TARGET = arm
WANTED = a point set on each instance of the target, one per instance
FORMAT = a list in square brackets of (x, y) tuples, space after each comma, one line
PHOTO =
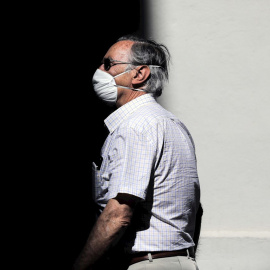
[(108, 229)]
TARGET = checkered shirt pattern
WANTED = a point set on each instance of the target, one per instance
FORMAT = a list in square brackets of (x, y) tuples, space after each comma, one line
[(150, 154)]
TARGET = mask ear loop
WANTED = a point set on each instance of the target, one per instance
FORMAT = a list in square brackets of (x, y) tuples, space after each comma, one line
[(122, 73), (134, 68), (134, 89)]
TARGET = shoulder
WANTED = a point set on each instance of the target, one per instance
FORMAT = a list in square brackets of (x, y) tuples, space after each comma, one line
[(147, 121)]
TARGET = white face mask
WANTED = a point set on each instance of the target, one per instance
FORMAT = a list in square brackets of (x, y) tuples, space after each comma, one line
[(106, 87)]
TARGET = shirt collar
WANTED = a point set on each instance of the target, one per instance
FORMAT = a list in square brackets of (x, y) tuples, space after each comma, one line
[(118, 116)]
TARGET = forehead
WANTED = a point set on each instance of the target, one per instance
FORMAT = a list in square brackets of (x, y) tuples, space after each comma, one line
[(120, 50)]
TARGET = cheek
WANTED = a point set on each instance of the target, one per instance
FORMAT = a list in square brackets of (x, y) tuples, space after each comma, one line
[(124, 80)]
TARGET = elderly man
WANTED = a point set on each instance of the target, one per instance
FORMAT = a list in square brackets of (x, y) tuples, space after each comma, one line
[(147, 187)]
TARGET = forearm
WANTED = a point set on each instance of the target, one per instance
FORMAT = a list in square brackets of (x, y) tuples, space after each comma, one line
[(107, 230)]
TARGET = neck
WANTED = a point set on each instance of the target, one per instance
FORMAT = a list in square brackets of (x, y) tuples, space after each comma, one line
[(128, 96)]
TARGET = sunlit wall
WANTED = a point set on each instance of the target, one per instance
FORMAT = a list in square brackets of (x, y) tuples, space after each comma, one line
[(220, 88)]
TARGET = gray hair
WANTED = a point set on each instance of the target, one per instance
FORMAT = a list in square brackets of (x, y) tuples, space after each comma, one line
[(153, 54)]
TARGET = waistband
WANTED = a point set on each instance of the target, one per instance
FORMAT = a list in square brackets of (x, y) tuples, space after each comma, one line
[(142, 256)]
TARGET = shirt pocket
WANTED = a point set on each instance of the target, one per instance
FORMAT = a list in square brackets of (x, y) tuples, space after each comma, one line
[(99, 186)]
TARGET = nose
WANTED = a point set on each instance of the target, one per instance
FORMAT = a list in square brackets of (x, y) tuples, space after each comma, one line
[(102, 67)]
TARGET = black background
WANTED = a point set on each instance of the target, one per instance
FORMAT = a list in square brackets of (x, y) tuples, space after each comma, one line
[(69, 128)]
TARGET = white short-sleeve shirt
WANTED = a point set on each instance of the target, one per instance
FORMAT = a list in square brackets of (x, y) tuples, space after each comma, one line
[(150, 154)]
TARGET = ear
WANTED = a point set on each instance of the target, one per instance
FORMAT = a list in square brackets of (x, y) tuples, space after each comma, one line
[(141, 75)]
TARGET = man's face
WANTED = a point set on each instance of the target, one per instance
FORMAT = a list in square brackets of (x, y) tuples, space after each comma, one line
[(119, 52)]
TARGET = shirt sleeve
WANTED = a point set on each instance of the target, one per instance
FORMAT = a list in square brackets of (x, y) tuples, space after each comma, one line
[(132, 158)]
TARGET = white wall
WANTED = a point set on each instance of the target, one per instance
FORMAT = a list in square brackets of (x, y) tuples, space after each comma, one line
[(220, 88)]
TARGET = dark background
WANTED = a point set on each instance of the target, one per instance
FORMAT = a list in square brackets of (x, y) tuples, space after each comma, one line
[(70, 129), (53, 123)]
